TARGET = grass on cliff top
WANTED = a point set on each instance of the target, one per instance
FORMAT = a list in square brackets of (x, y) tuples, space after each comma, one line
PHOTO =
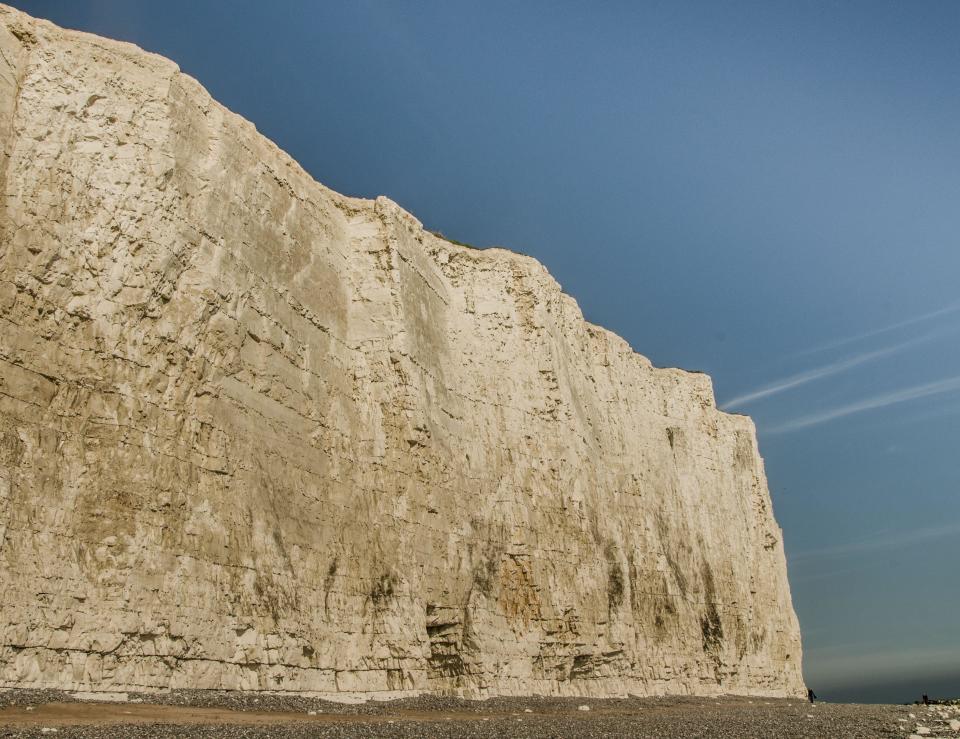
[(440, 235)]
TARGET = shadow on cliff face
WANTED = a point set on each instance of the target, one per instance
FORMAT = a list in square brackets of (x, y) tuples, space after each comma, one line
[(710, 624), (650, 599), (615, 582)]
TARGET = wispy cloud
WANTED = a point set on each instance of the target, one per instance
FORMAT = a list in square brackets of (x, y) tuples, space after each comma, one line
[(817, 373), (837, 343), (940, 387), (882, 541)]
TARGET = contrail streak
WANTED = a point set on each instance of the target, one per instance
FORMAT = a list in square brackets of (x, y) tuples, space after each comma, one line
[(817, 373), (882, 541), (946, 310), (940, 387)]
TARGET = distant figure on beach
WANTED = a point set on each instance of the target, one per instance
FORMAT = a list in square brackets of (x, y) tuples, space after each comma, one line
[(811, 696), (926, 700)]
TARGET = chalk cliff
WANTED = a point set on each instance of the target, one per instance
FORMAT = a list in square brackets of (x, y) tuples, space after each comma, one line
[(258, 435)]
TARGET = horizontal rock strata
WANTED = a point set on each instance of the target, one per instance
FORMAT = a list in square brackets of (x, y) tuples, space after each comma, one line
[(257, 435)]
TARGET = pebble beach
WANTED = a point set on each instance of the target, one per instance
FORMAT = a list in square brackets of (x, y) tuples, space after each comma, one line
[(25, 713)]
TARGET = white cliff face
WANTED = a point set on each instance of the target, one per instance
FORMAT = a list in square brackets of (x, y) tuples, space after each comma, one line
[(257, 435)]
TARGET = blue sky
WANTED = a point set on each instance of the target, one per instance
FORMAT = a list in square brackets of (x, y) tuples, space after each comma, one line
[(768, 191)]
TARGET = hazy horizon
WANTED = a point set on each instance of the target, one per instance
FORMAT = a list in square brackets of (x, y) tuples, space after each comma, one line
[(766, 191), (896, 690)]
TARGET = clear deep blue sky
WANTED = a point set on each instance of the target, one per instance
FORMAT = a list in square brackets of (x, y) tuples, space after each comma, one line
[(767, 191)]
